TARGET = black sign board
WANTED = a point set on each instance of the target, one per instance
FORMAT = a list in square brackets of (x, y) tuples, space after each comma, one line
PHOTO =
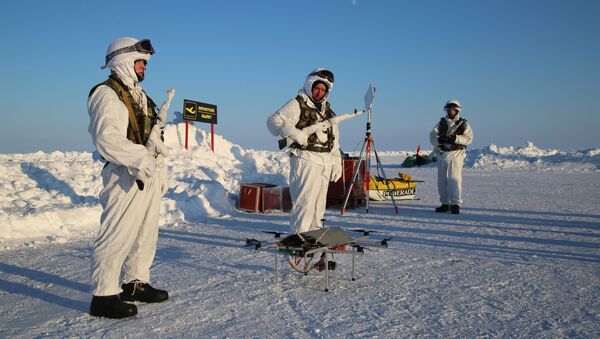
[(199, 111)]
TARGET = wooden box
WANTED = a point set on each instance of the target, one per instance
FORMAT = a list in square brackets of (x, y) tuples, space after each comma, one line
[(337, 190), (276, 198), (251, 197)]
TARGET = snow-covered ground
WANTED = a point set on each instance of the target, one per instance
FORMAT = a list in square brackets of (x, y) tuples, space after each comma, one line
[(523, 260)]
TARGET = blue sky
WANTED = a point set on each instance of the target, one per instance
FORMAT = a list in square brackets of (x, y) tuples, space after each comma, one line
[(523, 70)]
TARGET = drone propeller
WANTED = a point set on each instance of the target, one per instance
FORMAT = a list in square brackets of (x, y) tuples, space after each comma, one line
[(384, 242), (276, 234), (364, 232), (360, 249), (253, 242)]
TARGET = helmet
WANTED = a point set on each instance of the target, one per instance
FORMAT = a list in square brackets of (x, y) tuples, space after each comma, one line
[(127, 48), (452, 103), (318, 75)]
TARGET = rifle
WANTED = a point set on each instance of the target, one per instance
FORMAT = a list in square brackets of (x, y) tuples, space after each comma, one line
[(454, 128), (369, 97), (285, 142), (448, 133), (155, 138), (155, 142)]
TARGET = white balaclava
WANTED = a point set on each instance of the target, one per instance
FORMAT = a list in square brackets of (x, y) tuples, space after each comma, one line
[(312, 78), (123, 66)]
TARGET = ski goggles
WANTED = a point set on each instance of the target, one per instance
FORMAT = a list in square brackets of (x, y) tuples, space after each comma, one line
[(143, 46), (450, 106), (325, 74)]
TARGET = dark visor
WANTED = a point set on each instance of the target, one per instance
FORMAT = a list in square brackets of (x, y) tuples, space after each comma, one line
[(142, 46), (325, 74)]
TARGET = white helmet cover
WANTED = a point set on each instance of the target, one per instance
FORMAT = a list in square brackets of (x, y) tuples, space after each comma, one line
[(123, 57), (452, 102)]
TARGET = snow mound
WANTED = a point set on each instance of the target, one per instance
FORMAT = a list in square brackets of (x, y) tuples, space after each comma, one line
[(206, 183), (530, 156), (52, 197)]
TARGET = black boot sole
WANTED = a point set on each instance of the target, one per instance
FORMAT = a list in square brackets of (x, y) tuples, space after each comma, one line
[(113, 316)]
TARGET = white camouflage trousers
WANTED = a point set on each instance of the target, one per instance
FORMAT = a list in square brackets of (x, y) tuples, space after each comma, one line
[(450, 166), (128, 231), (308, 187)]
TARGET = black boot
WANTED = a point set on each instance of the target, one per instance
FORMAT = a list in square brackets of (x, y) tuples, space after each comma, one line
[(140, 291), (455, 209), (443, 209), (111, 307)]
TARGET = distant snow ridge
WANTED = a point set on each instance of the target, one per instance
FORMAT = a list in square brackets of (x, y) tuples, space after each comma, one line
[(532, 157)]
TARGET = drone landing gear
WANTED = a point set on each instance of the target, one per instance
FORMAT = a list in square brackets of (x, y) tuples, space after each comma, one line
[(300, 261)]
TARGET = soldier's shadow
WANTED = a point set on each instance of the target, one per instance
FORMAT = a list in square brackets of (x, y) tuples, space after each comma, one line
[(49, 182), (46, 279)]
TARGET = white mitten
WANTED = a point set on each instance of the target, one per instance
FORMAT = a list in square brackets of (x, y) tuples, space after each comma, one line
[(298, 136), (336, 170), (145, 172)]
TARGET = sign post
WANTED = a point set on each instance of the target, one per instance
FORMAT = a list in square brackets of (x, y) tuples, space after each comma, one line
[(212, 137), (187, 126), (202, 112)]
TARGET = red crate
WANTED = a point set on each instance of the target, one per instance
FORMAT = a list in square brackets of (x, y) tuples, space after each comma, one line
[(337, 191), (276, 198), (251, 197)]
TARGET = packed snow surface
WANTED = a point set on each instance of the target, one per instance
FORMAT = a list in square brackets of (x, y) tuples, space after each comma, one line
[(522, 260)]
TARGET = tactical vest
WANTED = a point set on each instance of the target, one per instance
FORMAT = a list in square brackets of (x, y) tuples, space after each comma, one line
[(443, 129), (310, 116), (140, 125)]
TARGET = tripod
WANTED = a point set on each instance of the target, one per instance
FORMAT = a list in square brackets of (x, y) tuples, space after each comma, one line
[(366, 151)]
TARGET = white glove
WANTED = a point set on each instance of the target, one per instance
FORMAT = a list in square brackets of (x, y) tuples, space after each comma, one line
[(336, 170), (320, 129), (298, 136), (323, 125)]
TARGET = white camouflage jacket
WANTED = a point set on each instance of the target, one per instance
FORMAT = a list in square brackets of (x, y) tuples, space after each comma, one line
[(286, 118)]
